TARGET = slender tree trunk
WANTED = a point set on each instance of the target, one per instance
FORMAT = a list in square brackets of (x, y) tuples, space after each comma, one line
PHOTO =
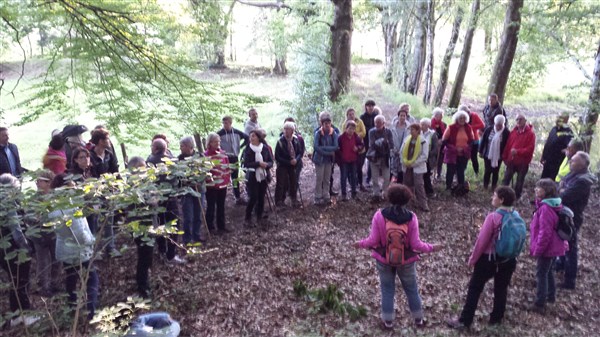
[(389, 25), (507, 49), (445, 66), (430, 39), (459, 80), (420, 49), (341, 43), (590, 119), (402, 54), (280, 67)]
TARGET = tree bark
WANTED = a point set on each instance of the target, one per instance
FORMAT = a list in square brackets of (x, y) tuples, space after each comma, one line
[(445, 66), (420, 49), (280, 67), (507, 49), (430, 39), (341, 43), (459, 80), (389, 25), (590, 119)]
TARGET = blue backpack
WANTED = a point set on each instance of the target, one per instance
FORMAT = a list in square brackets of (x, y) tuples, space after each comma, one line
[(513, 232)]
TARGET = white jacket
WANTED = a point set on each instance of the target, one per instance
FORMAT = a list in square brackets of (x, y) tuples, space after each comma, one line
[(420, 165)]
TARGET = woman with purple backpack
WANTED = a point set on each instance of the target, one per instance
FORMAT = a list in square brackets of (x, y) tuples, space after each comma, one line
[(397, 215)]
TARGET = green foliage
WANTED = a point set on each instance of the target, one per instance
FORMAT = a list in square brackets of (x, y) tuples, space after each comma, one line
[(328, 299), (114, 320), (119, 59), (312, 82)]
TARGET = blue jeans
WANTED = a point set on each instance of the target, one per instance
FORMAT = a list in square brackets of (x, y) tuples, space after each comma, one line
[(348, 173), (192, 217), (74, 273), (546, 290), (387, 281)]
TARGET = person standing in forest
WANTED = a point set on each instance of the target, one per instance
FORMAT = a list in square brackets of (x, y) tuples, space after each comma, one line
[(361, 132), (457, 142), (288, 153), (554, 149), (368, 118), (575, 191), (438, 125), (414, 154), (492, 109), (380, 149), (492, 145), (575, 145), (433, 142), (400, 131), (325, 145), (10, 162), (477, 126), (518, 153), (232, 140), (252, 122)]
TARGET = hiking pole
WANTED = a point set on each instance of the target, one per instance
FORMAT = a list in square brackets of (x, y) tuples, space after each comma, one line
[(203, 214), (269, 197)]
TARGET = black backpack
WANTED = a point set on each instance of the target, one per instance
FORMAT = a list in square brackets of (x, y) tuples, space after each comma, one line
[(566, 227)]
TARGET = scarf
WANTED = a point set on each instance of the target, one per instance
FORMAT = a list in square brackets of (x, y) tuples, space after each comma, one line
[(411, 152), (494, 152), (260, 173)]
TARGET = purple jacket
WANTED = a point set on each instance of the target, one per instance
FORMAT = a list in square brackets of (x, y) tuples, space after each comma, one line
[(377, 238), (544, 240)]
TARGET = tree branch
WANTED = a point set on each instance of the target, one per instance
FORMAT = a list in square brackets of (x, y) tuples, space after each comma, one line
[(8, 23), (277, 5)]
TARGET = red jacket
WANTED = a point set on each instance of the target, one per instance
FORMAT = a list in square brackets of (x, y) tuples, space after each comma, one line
[(523, 142), (220, 172), (347, 145), (476, 125)]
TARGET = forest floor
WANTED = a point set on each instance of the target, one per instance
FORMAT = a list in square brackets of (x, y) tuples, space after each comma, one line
[(243, 282)]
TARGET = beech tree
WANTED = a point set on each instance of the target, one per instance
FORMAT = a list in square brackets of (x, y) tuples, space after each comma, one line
[(445, 66), (507, 49), (341, 53), (420, 50), (459, 80), (590, 118)]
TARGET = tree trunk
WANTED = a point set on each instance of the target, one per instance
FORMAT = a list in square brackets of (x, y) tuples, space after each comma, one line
[(430, 39), (590, 119), (420, 49), (459, 80), (404, 47), (280, 67), (507, 49), (389, 25), (487, 40), (443, 82), (341, 43)]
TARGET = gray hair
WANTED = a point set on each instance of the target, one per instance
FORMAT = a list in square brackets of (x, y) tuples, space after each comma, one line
[(380, 118), (437, 110), (289, 125), (585, 157), (324, 115), (426, 121), (498, 119), (459, 114), (188, 140), (464, 108), (9, 180), (212, 136), (136, 162), (577, 144)]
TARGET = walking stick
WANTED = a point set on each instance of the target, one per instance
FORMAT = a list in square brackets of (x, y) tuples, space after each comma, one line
[(203, 214), (269, 197)]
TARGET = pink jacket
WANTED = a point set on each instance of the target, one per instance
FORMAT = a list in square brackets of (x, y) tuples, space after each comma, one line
[(377, 238), (544, 240), (486, 239)]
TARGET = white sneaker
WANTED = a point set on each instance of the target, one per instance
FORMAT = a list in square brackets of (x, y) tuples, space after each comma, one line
[(26, 320), (176, 260)]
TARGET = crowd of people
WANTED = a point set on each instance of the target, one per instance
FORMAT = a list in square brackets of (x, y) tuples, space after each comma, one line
[(403, 159)]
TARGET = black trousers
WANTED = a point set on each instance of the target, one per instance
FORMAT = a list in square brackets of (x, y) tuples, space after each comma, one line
[(521, 171), (474, 158), (256, 192), (144, 263), (18, 274), (550, 170), (235, 172), (286, 182), (458, 169), (167, 245), (74, 273), (492, 172), (427, 180), (215, 199), (483, 272)]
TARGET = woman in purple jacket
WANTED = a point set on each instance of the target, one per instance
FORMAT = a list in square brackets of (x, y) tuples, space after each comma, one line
[(486, 266), (545, 244), (398, 195)]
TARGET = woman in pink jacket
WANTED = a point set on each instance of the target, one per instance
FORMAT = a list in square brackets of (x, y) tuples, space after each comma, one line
[(398, 195), (545, 244), (483, 259)]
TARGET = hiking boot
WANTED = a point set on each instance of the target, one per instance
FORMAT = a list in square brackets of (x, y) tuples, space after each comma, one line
[(567, 286), (333, 193), (537, 309), (420, 322), (280, 204), (387, 325), (296, 204), (23, 319), (344, 197), (248, 223), (455, 323), (362, 188), (176, 260), (355, 197), (241, 201), (225, 230)]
